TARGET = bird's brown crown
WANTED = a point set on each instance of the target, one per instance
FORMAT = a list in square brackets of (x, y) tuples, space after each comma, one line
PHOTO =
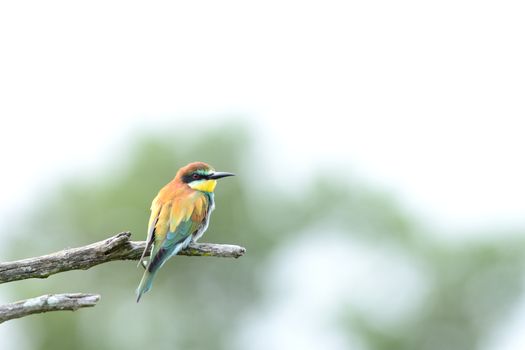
[(194, 167)]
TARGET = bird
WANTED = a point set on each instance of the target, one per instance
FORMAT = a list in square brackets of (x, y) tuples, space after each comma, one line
[(180, 214)]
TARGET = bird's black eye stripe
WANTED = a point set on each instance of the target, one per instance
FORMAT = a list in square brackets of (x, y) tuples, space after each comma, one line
[(187, 178), (194, 177)]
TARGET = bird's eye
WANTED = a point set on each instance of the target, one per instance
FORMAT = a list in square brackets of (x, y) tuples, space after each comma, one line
[(196, 176)]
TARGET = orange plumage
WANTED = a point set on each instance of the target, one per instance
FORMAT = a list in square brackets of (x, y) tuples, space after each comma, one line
[(179, 215)]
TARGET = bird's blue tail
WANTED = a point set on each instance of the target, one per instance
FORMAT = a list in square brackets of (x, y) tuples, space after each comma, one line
[(145, 283), (156, 262)]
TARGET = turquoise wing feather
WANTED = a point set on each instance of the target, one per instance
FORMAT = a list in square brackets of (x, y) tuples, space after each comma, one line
[(171, 229), (173, 243)]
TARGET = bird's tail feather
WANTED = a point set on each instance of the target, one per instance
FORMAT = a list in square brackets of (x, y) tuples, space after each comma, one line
[(145, 283), (156, 261)]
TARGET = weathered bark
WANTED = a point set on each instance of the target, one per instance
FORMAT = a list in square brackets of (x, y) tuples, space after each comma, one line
[(118, 247), (45, 303)]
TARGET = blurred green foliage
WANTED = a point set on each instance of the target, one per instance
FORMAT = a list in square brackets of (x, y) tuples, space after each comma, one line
[(197, 303)]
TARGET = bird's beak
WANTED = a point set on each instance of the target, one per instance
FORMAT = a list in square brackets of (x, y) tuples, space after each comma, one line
[(219, 174)]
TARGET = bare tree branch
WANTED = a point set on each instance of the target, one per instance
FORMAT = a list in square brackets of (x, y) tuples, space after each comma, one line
[(45, 303), (118, 247)]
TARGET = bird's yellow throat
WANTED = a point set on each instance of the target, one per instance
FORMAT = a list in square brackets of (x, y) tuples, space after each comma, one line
[(204, 186)]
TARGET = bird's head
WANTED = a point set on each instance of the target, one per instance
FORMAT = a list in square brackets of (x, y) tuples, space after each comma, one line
[(200, 176)]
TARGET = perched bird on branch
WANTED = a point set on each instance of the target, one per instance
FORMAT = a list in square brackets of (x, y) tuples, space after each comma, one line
[(179, 215)]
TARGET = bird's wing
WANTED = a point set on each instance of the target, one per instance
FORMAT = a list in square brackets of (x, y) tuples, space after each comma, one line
[(175, 226), (153, 219)]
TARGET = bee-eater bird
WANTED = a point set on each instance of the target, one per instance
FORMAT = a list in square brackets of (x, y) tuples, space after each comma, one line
[(180, 213)]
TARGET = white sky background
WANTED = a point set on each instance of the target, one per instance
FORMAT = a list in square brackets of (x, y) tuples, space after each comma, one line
[(423, 98)]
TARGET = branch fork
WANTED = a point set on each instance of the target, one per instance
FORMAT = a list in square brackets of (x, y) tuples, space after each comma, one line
[(118, 247)]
